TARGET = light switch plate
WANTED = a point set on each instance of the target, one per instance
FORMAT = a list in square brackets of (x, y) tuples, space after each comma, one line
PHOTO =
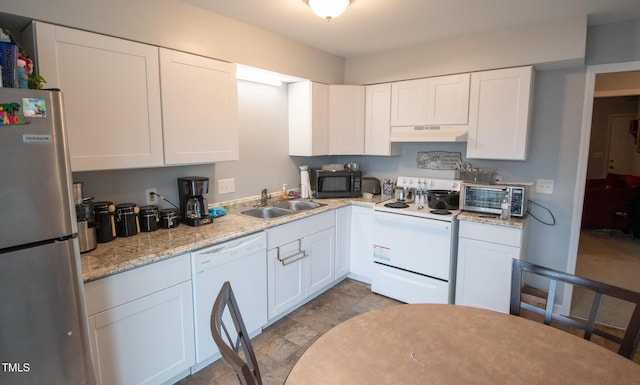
[(226, 186), (544, 186)]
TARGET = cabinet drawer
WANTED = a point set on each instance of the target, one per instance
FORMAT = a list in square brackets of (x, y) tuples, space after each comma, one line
[(503, 235), (290, 232), (121, 288)]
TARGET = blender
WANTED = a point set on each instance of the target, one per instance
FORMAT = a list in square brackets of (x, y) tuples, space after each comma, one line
[(85, 218), (194, 210)]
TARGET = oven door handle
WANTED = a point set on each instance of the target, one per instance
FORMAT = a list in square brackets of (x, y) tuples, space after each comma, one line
[(291, 258)]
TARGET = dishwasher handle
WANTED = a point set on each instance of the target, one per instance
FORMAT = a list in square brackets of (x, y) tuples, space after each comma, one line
[(291, 258)]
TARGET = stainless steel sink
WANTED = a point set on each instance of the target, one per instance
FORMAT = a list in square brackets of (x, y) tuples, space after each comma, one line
[(266, 212), (298, 205), (280, 209)]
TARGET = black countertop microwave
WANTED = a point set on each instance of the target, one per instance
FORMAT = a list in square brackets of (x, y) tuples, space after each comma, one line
[(336, 184)]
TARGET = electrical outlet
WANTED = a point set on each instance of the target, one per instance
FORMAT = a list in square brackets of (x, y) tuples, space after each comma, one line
[(226, 186), (544, 186), (152, 199)]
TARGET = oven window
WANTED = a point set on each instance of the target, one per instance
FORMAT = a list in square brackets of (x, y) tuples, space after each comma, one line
[(333, 184), (487, 198)]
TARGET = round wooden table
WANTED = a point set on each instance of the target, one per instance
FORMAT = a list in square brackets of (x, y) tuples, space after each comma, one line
[(449, 344)]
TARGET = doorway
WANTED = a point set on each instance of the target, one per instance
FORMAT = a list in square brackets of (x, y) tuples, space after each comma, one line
[(583, 161)]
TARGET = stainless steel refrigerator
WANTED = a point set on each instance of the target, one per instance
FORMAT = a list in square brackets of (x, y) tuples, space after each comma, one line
[(43, 323)]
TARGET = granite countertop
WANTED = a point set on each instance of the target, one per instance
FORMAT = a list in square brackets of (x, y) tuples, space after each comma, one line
[(123, 254), (492, 219)]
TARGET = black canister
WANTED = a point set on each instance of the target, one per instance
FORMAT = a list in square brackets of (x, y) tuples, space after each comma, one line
[(169, 218), (105, 222), (149, 218), (127, 219)]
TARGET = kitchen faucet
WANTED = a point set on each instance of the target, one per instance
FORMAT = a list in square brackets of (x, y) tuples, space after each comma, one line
[(264, 197)]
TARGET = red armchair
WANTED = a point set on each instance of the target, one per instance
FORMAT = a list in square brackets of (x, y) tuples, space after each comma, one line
[(608, 203)]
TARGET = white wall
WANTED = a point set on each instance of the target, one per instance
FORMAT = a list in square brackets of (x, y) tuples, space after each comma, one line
[(549, 45), (178, 25)]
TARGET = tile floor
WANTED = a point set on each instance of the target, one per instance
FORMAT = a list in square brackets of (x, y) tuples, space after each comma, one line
[(281, 344)]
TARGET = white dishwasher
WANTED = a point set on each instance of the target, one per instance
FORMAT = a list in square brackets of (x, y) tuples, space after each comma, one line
[(243, 262)]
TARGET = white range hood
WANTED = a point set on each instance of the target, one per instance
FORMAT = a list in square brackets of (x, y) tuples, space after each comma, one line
[(429, 133)]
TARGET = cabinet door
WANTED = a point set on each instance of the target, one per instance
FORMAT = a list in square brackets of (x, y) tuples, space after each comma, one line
[(448, 100), (377, 121), (308, 119), (320, 248), (343, 241), (499, 118), (146, 341), (409, 103), (484, 274), (361, 256), (346, 120), (199, 109), (111, 92), (286, 278)]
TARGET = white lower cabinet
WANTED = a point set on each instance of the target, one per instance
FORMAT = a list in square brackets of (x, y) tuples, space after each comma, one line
[(320, 248), (361, 248), (300, 262), (141, 324), (485, 254)]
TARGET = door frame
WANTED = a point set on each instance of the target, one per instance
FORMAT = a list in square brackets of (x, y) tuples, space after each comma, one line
[(581, 172)]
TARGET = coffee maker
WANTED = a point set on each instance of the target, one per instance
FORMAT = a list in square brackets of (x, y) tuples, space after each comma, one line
[(193, 206)]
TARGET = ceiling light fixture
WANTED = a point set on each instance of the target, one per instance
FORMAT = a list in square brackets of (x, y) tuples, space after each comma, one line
[(328, 9)]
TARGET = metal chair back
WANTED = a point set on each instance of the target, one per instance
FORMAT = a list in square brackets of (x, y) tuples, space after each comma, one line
[(236, 340), (628, 343)]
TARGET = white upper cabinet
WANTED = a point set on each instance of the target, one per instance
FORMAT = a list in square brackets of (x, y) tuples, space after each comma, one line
[(111, 91), (409, 103), (346, 119), (442, 100), (448, 100), (199, 109), (308, 119), (499, 117), (377, 121)]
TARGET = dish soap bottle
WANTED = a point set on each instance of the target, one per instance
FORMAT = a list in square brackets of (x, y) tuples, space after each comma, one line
[(284, 193), (505, 208)]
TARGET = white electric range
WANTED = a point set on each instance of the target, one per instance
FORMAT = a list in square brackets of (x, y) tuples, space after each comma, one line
[(414, 247)]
